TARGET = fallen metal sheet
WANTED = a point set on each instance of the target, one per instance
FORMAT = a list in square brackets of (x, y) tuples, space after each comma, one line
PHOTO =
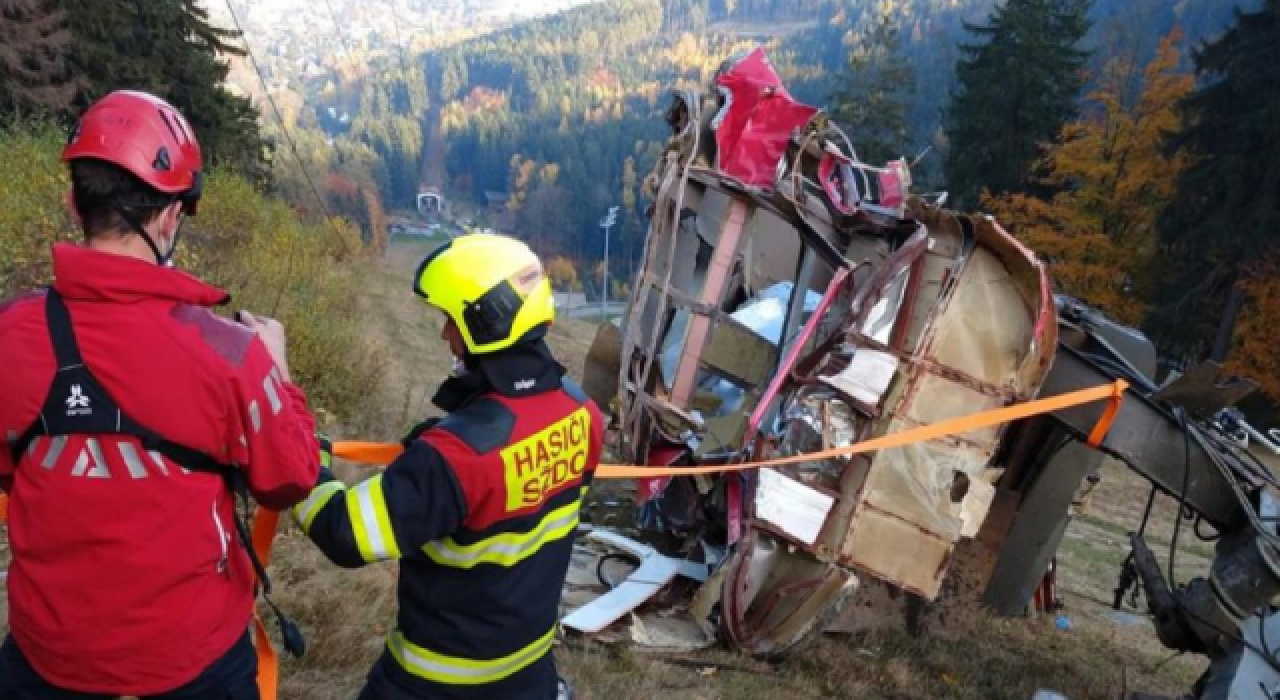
[(655, 572)]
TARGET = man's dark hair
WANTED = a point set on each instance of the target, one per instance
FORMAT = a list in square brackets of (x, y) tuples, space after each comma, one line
[(100, 187)]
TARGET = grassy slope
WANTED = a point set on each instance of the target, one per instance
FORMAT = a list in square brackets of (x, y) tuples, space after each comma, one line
[(345, 614)]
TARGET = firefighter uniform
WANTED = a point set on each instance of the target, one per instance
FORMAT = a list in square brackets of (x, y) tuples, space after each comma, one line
[(481, 508)]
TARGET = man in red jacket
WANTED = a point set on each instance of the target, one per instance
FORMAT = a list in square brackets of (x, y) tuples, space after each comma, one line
[(129, 407)]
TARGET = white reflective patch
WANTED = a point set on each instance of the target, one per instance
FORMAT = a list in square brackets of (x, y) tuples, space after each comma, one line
[(244, 441), (369, 519), (131, 460), (56, 445), (255, 416), (92, 461), (11, 436), (272, 395), (159, 460), (35, 445), (275, 372)]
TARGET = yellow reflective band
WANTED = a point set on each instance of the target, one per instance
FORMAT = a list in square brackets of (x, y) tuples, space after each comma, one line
[(305, 512), (439, 668), (370, 521), (507, 549)]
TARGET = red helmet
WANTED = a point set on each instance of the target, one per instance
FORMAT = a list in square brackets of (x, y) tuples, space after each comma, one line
[(144, 135)]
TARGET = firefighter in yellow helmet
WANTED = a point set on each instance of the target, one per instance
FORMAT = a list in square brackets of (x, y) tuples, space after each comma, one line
[(482, 507)]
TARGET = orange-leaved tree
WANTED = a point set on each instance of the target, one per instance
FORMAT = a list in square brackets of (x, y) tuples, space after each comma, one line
[(564, 276), (1257, 330), (1112, 176)]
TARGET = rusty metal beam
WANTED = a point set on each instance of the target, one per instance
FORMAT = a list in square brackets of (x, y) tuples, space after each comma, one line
[(713, 288), (1146, 438), (1038, 528)]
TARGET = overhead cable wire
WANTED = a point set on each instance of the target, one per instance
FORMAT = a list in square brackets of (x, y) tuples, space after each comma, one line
[(284, 128), (293, 148)]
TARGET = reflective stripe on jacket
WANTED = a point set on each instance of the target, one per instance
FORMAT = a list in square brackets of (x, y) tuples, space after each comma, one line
[(481, 511)]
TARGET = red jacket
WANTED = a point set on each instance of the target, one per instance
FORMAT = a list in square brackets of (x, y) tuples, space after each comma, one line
[(127, 575)]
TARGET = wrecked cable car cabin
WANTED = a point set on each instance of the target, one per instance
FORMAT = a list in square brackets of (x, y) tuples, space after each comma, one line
[(793, 299)]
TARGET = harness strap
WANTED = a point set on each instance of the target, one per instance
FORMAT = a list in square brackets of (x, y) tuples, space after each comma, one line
[(77, 403)]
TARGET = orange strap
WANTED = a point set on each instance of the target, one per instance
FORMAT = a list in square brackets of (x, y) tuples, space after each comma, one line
[(385, 453), (1108, 417), (264, 531), (266, 521), (268, 661)]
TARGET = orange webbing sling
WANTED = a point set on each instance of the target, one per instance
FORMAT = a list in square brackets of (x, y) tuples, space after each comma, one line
[(382, 454)]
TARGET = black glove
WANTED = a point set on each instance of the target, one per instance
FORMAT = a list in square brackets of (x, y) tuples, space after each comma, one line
[(326, 459), (417, 431)]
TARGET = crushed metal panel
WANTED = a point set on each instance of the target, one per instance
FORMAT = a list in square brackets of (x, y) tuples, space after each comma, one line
[(989, 335), (777, 597), (898, 551), (793, 508), (925, 497)]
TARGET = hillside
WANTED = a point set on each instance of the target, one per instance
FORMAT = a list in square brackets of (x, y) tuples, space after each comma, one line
[(583, 91), (346, 613)]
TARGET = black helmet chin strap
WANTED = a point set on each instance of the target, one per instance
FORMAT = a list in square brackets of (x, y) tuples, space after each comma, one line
[(161, 260)]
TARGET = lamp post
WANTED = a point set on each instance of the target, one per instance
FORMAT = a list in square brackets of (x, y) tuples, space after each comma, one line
[(606, 223)]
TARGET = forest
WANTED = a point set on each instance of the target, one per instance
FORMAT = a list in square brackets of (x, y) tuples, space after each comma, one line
[(557, 119), (1127, 140)]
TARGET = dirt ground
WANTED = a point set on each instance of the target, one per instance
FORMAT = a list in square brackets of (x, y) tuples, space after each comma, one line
[(346, 614)]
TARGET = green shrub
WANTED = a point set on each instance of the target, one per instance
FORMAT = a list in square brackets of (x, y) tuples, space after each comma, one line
[(271, 261)]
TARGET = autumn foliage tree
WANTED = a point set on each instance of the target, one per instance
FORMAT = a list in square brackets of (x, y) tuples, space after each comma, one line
[(1113, 177), (564, 276), (1256, 333), (1226, 215)]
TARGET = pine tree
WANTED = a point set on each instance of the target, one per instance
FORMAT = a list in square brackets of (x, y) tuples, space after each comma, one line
[(169, 48), (1226, 214), (876, 94), (1015, 92), (1111, 177), (34, 76)]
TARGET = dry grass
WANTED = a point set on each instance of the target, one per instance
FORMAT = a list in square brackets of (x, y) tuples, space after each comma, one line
[(345, 614)]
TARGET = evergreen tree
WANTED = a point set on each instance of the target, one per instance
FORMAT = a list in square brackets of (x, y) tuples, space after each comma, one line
[(169, 48), (1015, 92), (1226, 213), (1111, 177), (876, 94), (34, 76)]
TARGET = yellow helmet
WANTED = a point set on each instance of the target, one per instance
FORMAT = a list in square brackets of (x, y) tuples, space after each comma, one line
[(492, 286)]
